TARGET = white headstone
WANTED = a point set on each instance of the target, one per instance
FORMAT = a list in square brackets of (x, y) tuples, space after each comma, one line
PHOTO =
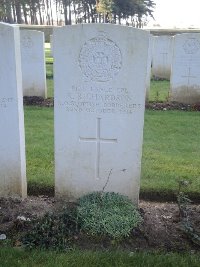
[(162, 56), (148, 76), (33, 63), (185, 78), (100, 78), (12, 140), (51, 44)]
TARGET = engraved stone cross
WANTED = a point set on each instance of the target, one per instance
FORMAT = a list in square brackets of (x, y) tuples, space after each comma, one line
[(98, 140), (164, 55), (188, 76)]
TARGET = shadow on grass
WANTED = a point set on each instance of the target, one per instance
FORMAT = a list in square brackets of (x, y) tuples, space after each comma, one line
[(35, 189), (167, 196)]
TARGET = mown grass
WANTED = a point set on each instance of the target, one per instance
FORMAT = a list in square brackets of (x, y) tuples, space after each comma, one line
[(50, 86), (39, 149), (15, 257), (170, 151), (159, 91), (49, 72)]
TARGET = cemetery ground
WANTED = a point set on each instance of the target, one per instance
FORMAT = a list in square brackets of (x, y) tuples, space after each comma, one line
[(170, 155)]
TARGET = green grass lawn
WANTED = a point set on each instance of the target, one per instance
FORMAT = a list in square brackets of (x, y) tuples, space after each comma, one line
[(159, 91), (170, 151), (14, 257), (39, 148), (49, 72), (50, 85)]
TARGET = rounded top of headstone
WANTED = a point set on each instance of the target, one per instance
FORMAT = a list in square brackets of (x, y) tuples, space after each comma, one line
[(100, 59)]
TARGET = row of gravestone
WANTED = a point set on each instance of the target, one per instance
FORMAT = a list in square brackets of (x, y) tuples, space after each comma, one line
[(178, 60), (99, 82), (175, 58), (100, 79), (32, 57)]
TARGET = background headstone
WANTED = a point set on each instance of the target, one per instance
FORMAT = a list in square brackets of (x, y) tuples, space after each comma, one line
[(149, 63), (185, 78), (100, 86), (162, 56), (51, 44), (33, 63), (12, 140)]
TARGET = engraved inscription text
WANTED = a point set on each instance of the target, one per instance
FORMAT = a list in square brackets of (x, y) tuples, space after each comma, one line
[(98, 99)]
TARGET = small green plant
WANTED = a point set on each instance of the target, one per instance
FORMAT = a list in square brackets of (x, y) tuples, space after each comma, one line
[(183, 204), (53, 231), (157, 97), (107, 213), (182, 199)]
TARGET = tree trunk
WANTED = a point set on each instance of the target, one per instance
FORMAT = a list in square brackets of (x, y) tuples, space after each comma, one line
[(65, 13), (24, 13), (70, 13), (75, 13), (18, 11), (51, 12), (14, 12), (40, 13), (8, 12)]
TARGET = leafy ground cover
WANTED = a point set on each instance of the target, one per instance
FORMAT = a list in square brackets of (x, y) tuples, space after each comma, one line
[(27, 224)]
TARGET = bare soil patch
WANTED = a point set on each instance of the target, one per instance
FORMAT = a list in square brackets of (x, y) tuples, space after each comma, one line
[(161, 228)]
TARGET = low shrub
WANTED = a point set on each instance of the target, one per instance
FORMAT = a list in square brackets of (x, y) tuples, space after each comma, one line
[(107, 213), (53, 231)]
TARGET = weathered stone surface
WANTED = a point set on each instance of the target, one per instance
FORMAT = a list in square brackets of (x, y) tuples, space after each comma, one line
[(51, 45), (33, 63), (12, 141), (100, 86), (149, 63), (185, 78)]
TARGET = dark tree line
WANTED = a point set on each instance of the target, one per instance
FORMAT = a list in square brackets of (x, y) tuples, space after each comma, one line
[(59, 12)]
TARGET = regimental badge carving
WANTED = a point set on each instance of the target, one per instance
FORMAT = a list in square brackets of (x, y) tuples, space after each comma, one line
[(27, 42), (191, 46), (100, 59)]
